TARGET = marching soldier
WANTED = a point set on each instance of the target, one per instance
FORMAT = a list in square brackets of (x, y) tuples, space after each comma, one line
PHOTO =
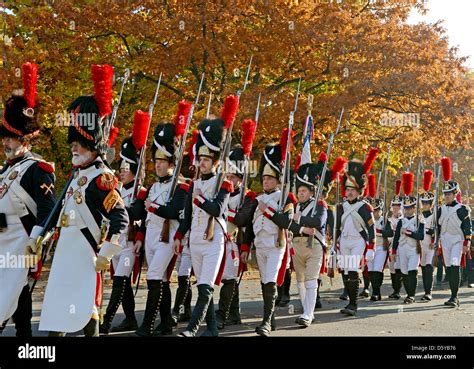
[(268, 232), (394, 263), (427, 245), (204, 219), (237, 219), (382, 233), (355, 226), (26, 199), (123, 263), (455, 232), (91, 222), (161, 223), (406, 242), (308, 258)]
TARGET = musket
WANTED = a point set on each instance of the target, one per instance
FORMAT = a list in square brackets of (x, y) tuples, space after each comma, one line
[(246, 161), (379, 180), (333, 253), (385, 213), (111, 121), (47, 232), (285, 185), (467, 191), (142, 150), (323, 175), (437, 169), (179, 157), (208, 111), (417, 214)]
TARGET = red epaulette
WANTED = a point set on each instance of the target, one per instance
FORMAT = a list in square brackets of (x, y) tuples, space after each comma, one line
[(45, 166), (185, 186), (106, 181), (292, 198), (228, 186), (142, 194), (323, 203), (251, 195)]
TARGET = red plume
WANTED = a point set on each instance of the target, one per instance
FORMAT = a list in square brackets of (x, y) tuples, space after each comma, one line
[(249, 127), (459, 196), (30, 76), (372, 185), (322, 157), (446, 165), (181, 118), (370, 159), (427, 179), (398, 187), (114, 131), (338, 166), (231, 104), (408, 179), (141, 123), (191, 146), (102, 76), (298, 162), (284, 140)]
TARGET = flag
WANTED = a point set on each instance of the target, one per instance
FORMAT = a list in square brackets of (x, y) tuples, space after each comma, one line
[(308, 135)]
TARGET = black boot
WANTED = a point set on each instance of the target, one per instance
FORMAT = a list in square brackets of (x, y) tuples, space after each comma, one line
[(92, 328), (165, 328), (23, 314), (365, 292), (234, 313), (182, 302), (352, 288), (376, 279), (128, 305), (118, 290), (225, 299), (405, 283), (211, 322), (285, 291), (397, 278), (345, 293), (153, 301), (427, 276), (318, 304), (454, 277), (411, 284), (269, 297), (200, 310)]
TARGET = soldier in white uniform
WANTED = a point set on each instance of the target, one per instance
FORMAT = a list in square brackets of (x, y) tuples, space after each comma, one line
[(393, 263), (427, 245), (455, 232), (159, 227), (355, 227), (382, 233), (237, 219), (269, 234), (91, 222), (123, 263), (26, 199), (406, 245), (204, 219)]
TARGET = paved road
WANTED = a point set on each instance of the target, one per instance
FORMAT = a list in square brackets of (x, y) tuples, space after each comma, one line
[(383, 318)]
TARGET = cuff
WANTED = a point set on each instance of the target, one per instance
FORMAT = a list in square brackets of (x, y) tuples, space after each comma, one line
[(140, 236), (244, 248), (231, 215), (109, 249), (370, 246), (152, 209), (269, 212), (394, 251), (178, 236), (199, 200), (465, 243), (35, 232)]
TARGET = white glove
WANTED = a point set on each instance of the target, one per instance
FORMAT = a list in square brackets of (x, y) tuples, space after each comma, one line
[(370, 254)]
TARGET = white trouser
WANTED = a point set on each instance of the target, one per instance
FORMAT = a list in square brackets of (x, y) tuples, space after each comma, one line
[(231, 269), (269, 259), (427, 253), (452, 249), (124, 261), (184, 264), (158, 254), (378, 263), (352, 250), (206, 257), (409, 258), (308, 292)]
